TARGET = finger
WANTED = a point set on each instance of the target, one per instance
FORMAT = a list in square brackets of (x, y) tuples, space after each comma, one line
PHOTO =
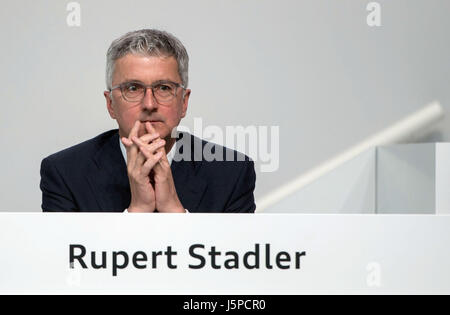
[(149, 137), (149, 149), (132, 150), (131, 161), (134, 131), (164, 158), (163, 163), (137, 172), (140, 160), (151, 162), (138, 141), (149, 127), (126, 142)]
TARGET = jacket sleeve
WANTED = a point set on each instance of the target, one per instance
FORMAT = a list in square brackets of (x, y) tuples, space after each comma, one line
[(242, 198), (56, 197)]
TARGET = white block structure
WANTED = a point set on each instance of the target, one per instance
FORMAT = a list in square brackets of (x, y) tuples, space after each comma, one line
[(394, 179), (400, 132)]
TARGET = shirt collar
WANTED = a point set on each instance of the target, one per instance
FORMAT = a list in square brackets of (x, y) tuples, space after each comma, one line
[(170, 155)]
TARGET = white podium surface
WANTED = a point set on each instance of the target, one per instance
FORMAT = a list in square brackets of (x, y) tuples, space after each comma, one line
[(367, 254)]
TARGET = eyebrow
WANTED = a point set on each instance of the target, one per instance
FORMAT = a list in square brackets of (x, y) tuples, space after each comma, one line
[(153, 83), (132, 80)]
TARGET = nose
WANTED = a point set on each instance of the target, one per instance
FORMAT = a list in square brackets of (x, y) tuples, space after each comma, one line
[(149, 101)]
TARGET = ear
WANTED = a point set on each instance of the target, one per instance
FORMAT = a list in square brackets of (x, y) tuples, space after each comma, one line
[(109, 105), (187, 93)]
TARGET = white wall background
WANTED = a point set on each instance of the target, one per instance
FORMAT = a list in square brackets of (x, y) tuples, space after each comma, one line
[(344, 80)]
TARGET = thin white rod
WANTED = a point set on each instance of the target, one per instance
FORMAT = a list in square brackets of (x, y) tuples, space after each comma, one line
[(398, 132)]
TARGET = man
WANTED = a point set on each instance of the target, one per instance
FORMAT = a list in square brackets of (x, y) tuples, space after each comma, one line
[(138, 168)]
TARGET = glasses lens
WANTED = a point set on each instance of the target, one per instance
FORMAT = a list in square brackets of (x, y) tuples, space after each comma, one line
[(132, 91), (165, 92)]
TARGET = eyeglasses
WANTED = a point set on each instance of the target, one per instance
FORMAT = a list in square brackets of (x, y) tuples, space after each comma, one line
[(163, 91)]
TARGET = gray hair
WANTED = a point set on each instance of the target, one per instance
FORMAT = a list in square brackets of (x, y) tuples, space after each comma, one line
[(148, 42)]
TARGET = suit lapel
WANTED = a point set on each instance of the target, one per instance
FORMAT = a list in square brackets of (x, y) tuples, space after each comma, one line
[(189, 185), (190, 188), (109, 178)]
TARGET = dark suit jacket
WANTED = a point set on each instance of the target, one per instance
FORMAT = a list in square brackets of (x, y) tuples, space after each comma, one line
[(92, 177)]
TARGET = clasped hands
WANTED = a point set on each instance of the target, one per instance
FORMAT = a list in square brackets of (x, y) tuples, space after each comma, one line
[(151, 182)]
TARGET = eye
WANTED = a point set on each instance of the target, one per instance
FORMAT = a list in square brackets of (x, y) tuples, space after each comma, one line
[(132, 87), (164, 88)]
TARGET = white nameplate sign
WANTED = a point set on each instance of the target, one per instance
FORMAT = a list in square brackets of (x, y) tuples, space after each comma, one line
[(223, 253)]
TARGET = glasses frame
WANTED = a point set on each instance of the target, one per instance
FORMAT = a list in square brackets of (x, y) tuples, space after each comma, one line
[(146, 87)]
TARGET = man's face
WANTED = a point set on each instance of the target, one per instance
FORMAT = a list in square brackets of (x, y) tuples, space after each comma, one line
[(146, 70)]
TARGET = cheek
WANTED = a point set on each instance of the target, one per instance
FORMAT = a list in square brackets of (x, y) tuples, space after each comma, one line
[(173, 117), (127, 118), (177, 111)]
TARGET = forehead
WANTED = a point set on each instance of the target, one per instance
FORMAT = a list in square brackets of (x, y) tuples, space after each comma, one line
[(145, 69)]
